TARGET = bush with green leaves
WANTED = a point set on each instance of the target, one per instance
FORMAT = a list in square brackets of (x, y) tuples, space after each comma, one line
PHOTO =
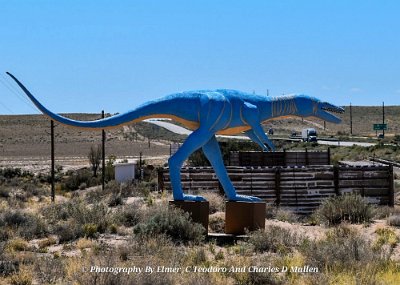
[(349, 207), (172, 222)]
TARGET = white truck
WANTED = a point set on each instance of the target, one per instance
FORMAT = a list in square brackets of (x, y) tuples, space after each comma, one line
[(309, 135)]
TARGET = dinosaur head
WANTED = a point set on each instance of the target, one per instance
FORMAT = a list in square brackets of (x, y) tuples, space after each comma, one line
[(312, 107)]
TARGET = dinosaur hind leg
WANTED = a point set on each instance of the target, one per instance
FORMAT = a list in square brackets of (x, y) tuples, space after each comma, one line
[(213, 154), (194, 141)]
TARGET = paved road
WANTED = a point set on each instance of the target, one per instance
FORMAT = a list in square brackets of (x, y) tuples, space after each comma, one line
[(341, 143), (169, 126), (182, 131)]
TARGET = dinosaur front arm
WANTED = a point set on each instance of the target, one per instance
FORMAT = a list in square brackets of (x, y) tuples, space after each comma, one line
[(251, 116)]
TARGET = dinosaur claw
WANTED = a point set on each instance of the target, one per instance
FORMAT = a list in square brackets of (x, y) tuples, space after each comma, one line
[(192, 198), (245, 198)]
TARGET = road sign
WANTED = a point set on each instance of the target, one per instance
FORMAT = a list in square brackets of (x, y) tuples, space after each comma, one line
[(380, 127)]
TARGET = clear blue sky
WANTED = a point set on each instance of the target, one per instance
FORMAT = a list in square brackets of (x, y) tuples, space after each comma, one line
[(85, 56)]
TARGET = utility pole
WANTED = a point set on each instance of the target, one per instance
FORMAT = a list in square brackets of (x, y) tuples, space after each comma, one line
[(267, 92), (351, 120), (53, 195), (383, 118), (103, 153)]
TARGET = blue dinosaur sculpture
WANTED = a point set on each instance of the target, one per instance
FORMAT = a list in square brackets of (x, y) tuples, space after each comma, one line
[(209, 113)]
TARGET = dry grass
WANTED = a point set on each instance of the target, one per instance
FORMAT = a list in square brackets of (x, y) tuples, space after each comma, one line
[(342, 255)]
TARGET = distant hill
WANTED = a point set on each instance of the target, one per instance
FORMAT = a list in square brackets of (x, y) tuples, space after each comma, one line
[(363, 119), (29, 135)]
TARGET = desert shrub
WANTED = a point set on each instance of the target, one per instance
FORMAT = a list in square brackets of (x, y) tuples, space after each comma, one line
[(13, 218), (386, 236), (8, 267), (343, 248), (129, 189), (275, 239), (57, 212), (172, 222), (27, 225), (89, 230), (255, 278), (351, 208), (23, 277), (49, 270), (383, 212), (17, 244), (286, 216), (76, 214), (216, 201), (67, 231), (4, 234), (270, 211), (129, 215), (34, 228), (76, 178), (217, 222), (115, 200), (96, 195), (394, 220), (4, 193), (47, 242), (32, 190), (10, 172)]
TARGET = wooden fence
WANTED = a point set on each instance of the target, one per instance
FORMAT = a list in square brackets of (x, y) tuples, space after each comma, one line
[(300, 189), (279, 158)]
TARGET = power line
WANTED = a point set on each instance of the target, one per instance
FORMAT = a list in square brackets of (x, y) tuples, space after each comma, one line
[(5, 107), (15, 92)]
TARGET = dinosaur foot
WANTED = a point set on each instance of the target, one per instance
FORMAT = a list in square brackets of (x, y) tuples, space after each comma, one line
[(191, 198), (245, 198)]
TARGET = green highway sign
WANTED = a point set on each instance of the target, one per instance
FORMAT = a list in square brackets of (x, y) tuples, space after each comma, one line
[(380, 127)]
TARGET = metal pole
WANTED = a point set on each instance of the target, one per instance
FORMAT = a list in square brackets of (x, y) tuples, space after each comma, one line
[(103, 153), (52, 161), (351, 120), (383, 118)]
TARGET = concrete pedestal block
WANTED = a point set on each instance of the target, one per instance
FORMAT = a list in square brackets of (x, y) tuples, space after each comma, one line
[(198, 211), (244, 215)]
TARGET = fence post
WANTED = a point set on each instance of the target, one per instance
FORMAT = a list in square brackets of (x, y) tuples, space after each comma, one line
[(278, 185), (103, 154), (53, 195), (329, 156), (284, 157), (336, 179), (307, 157), (160, 178), (391, 186)]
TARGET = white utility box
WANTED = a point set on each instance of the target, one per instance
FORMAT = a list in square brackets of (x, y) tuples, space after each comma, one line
[(124, 172)]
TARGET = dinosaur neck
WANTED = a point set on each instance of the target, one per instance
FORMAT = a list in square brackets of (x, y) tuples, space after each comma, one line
[(278, 107)]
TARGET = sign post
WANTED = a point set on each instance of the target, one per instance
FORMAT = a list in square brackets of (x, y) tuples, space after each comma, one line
[(380, 127)]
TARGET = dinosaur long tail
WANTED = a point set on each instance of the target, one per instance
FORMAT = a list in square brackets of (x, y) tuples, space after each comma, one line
[(142, 112)]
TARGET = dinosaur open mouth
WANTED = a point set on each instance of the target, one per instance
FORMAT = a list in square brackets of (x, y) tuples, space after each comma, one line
[(333, 110)]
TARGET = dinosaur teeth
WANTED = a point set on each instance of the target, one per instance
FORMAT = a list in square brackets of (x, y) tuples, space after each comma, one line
[(333, 110)]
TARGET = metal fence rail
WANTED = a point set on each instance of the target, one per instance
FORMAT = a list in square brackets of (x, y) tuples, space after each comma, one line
[(300, 189)]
